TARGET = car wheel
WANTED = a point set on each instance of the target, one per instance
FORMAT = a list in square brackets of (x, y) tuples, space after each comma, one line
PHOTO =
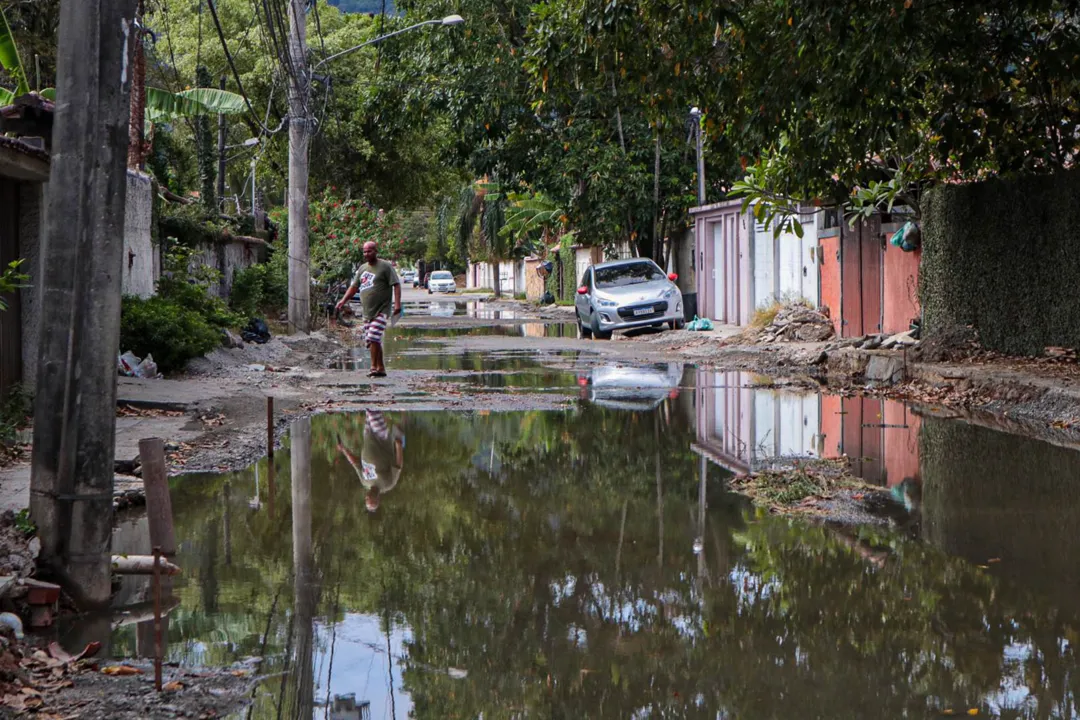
[(583, 332), (677, 324), (597, 332)]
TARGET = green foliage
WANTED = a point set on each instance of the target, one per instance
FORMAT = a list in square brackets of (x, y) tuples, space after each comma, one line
[(183, 321), (337, 230), (15, 412), (248, 290), (1002, 257), (10, 62), (163, 105), (11, 279), (24, 524), (166, 329)]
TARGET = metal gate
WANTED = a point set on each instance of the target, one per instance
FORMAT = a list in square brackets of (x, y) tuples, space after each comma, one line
[(862, 250)]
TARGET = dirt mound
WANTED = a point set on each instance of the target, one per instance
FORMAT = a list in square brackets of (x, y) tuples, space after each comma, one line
[(956, 342), (794, 323)]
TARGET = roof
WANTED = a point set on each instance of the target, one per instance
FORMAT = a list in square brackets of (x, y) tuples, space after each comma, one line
[(22, 161)]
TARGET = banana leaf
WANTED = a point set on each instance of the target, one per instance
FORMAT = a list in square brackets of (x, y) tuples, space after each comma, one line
[(162, 105), (9, 58)]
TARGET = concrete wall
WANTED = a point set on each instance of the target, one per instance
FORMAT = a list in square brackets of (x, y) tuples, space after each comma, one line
[(141, 266), (31, 228), (534, 284), (722, 243), (228, 258), (512, 279)]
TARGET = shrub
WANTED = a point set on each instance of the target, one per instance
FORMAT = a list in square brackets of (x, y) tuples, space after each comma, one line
[(246, 297), (186, 284), (164, 328)]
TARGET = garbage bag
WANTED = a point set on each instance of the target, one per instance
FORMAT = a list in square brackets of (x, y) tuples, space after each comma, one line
[(907, 238), (256, 331), (126, 364), (699, 324), (547, 298)]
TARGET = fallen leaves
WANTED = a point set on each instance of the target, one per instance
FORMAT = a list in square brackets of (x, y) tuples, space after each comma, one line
[(121, 670), (173, 686)]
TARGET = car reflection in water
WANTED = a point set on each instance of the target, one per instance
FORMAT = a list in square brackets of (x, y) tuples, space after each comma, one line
[(628, 387), (439, 309)]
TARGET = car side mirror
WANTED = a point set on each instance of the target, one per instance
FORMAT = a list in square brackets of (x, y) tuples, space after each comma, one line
[(672, 277), (583, 290)]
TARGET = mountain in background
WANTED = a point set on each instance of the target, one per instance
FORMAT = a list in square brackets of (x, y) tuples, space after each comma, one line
[(364, 6)]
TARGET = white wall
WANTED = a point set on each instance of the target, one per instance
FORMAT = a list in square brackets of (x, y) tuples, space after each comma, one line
[(139, 262)]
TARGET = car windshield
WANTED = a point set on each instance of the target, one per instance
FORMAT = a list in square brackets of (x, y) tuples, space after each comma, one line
[(627, 274), (441, 276)]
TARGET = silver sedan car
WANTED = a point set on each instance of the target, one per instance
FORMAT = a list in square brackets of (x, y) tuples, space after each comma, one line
[(627, 294)]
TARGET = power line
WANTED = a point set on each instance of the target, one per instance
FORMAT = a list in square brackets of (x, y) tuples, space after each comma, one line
[(232, 64)]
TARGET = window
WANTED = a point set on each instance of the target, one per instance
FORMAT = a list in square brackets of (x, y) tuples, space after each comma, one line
[(627, 274), (442, 275)]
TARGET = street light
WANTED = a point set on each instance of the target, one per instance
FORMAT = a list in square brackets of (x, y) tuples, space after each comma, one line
[(447, 21), (250, 142), (695, 118)]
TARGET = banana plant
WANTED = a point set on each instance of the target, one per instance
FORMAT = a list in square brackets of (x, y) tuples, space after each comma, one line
[(162, 105), (9, 60)]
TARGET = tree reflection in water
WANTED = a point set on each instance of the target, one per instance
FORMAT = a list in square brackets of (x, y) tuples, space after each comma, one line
[(571, 564)]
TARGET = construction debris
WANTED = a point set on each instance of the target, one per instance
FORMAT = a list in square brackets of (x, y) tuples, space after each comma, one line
[(796, 323)]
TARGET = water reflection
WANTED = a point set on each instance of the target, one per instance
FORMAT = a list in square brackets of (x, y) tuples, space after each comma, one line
[(588, 563)]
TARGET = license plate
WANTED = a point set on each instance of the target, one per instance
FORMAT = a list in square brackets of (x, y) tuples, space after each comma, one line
[(643, 311)]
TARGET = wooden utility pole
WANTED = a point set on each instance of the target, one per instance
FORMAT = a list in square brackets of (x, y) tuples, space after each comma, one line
[(79, 296), (137, 123), (299, 140), (222, 136)]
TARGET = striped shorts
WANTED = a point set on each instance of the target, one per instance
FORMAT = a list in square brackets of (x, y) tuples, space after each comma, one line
[(376, 422), (374, 329)]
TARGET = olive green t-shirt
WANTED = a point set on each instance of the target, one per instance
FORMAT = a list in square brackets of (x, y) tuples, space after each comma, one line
[(379, 466), (375, 284)]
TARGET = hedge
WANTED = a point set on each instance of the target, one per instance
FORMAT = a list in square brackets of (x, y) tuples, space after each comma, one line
[(566, 258), (1002, 256)]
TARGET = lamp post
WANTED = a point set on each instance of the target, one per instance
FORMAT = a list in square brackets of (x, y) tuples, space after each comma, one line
[(299, 141), (695, 118)]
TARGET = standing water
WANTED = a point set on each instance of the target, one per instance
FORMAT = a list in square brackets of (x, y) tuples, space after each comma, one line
[(589, 563)]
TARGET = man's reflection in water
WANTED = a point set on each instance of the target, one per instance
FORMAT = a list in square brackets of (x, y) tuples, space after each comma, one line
[(379, 464)]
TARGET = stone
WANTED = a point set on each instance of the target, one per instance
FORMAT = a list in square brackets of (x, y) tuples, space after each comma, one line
[(872, 343), (231, 340)]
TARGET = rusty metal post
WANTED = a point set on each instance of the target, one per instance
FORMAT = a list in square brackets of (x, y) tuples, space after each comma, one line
[(157, 618), (158, 503), (270, 427)]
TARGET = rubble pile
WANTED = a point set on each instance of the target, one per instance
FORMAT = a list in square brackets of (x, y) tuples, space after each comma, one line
[(796, 323), (899, 341)]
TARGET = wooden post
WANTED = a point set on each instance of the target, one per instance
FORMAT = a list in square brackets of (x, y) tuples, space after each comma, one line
[(270, 428), (78, 290), (158, 502), (157, 619)]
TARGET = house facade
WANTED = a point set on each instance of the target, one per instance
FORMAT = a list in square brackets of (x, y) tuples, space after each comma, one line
[(864, 283)]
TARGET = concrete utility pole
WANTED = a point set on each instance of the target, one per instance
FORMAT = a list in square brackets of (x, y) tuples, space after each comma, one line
[(71, 481), (695, 116), (222, 133), (299, 140)]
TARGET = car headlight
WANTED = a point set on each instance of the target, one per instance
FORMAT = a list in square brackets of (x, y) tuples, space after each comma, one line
[(669, 293), (606, 303)]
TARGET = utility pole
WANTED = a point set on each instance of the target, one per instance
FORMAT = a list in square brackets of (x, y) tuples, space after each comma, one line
[(695, 116), (71, 481), (137, 123), (222, 129), (299, 141)]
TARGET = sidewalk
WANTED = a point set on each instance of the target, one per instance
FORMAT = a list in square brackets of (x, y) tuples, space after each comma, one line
[(148, 394)]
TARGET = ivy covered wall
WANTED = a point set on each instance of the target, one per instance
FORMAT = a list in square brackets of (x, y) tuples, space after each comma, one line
[(1003, 256)]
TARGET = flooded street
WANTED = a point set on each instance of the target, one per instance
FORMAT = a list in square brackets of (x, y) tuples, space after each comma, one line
[(590, 561)]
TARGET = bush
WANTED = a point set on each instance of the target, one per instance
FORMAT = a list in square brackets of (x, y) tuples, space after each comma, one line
[(246, 297), (183, 321), (170, 332)]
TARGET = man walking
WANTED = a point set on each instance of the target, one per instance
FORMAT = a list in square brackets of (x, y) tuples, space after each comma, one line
[(374, 280)]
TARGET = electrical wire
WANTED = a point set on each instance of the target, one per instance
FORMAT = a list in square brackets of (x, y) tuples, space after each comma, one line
[(232, 64)]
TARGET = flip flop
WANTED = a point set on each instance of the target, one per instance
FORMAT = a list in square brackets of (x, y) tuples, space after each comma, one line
[(376, 374)]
